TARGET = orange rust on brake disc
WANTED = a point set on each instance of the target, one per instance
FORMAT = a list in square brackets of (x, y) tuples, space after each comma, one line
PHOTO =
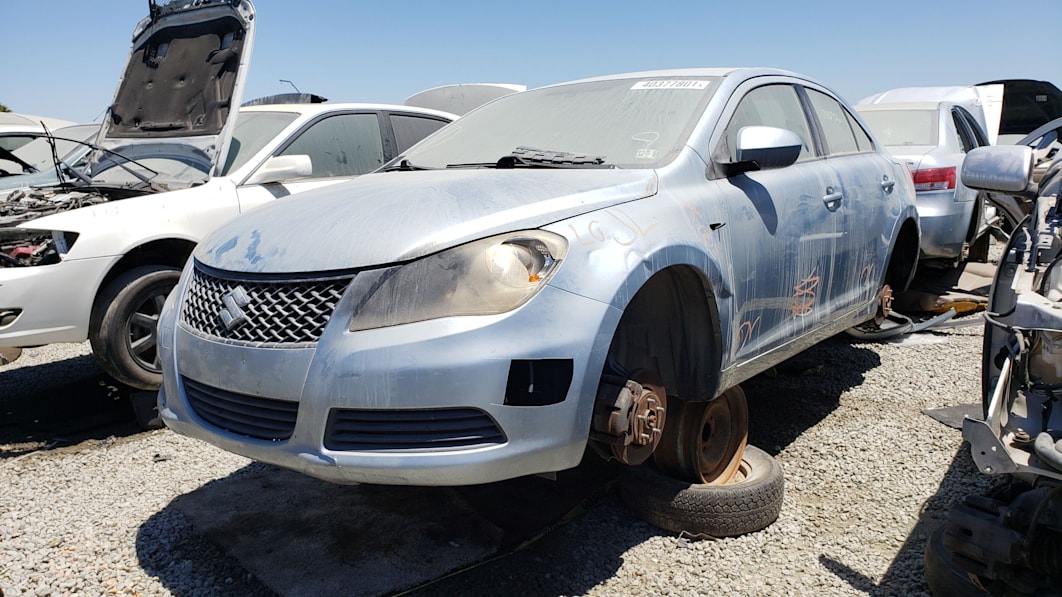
[(884, 304), (637, 419)]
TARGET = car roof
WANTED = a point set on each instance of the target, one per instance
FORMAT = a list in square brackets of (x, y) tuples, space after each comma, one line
[(29, 122), (323, 108), (903, 106), (696, 72)]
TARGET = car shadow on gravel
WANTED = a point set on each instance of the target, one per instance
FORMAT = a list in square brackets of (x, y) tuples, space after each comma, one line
[(961, 479), (275, 531), (60, 403), (532, 548), (790, 398)]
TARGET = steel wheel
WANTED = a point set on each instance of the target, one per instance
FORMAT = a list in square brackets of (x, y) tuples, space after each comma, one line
[(703, 442)]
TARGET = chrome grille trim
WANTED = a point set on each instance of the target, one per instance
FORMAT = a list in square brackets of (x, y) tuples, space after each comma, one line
[(420, 430), (249, 416), (278, 313)]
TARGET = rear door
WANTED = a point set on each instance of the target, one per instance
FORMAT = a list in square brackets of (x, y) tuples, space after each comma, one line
[(865, 177)]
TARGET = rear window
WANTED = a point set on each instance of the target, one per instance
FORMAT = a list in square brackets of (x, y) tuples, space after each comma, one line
[(903, 127)]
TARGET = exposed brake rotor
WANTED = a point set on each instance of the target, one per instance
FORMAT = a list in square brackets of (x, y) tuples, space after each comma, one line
[(629, 418), (884, 305)]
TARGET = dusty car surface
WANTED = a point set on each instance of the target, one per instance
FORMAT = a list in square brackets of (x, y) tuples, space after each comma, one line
[(933, 138), (172, 162), (600, 261), (1007, 542)]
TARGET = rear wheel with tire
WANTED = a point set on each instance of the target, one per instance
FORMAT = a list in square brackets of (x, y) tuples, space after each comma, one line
[(123, 327), (750, 502), (703, 442)]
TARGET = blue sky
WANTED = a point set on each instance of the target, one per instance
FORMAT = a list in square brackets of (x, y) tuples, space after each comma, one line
[(62, 58)]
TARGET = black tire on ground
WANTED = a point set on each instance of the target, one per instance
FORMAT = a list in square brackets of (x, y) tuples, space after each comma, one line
[(122, 328), (737, 508), (944, 577)]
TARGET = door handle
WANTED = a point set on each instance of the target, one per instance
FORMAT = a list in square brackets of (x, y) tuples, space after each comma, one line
[(832, 195), (886, 184)]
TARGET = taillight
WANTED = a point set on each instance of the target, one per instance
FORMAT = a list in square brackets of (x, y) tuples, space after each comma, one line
[(934, 179)]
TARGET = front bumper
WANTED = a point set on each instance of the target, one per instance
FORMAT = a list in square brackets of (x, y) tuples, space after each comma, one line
[(53, 302), (426, 370)]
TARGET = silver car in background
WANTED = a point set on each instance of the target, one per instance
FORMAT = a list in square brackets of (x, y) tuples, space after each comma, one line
[(602, 261), (933, 138)]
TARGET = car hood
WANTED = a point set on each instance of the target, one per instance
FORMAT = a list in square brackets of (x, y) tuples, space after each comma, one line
[(182, 82), (392, 217)]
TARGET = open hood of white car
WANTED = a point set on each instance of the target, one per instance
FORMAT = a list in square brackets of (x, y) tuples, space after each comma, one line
[(183, 81)]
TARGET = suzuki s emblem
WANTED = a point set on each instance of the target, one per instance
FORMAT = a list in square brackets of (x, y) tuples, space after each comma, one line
[(232, 315)]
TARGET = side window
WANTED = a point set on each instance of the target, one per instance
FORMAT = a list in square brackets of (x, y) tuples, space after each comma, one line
[(836, 125), (861, 136), (966, 141), (770, 105), (343, 145), (411, 129)]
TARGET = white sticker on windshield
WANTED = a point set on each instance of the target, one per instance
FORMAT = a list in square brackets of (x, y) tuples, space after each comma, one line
[(670, 84)]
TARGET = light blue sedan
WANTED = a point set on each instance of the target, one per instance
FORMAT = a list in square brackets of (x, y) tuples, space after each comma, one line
[(598, 262)]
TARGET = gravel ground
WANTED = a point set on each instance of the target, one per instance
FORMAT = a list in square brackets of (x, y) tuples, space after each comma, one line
[(868, 476)]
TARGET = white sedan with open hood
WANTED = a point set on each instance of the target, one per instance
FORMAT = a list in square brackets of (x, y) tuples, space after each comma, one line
[(600, 261), (95, 257)]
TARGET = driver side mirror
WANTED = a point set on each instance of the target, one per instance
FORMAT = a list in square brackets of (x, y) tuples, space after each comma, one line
[(280, 168), (763, 148)]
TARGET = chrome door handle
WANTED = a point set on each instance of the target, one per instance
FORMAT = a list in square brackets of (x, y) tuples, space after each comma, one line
[(832, 195), (886, 184)]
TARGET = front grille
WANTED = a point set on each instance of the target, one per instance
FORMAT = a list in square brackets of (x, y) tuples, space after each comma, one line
[(270, 312), (410, 430), (250, 416)]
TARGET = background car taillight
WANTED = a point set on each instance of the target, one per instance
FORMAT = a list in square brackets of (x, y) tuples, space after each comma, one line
[(934, 179)]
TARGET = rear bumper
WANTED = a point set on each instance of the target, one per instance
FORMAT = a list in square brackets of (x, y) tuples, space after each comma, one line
[(945, 223)]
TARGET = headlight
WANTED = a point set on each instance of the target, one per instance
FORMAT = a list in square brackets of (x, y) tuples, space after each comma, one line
[(25, 246), (485, 277)]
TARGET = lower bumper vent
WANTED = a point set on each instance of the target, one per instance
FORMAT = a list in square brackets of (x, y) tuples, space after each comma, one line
[(250, 416), (410, 430)]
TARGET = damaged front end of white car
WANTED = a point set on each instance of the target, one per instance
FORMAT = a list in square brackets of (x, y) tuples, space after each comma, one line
[(168, 127)]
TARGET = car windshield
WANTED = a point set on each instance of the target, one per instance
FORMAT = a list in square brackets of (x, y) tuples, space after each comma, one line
[(903, 127), (628, 123), (253, 131), (38, 152)]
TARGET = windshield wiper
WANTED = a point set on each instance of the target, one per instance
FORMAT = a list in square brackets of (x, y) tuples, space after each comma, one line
[(404, 166), (529, 157)]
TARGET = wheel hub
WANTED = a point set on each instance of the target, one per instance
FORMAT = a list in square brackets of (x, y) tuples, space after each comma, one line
[(884, 305), (630, 418)]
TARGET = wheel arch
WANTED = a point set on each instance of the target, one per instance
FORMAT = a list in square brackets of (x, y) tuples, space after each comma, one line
[(673, 319), (903, 258), (165, 251)]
